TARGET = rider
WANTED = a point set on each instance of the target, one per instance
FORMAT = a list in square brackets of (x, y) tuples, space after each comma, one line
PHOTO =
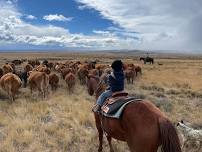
[(115, 81)]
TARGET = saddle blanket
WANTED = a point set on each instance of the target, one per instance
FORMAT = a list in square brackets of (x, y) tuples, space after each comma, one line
[(113, 107)]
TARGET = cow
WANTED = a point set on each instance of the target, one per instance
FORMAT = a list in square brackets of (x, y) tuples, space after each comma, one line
[(23, 77), (45, 62), (42, 68), (65, 71), (91, 65), (7, 68), (13, 66), (28, 67), (50, 65), (94, 72), (83, 66), (10, 83), (45, 69), (70, 80), (17, 62), (59, 66), (138, 69), (101, 68), (24, 74), (134, 67), (40, 81), (34, 62), (82, 74), (53, 81), (130, 75)]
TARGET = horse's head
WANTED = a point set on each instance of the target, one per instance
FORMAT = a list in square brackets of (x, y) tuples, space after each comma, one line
[(92, 82), (95, 85)]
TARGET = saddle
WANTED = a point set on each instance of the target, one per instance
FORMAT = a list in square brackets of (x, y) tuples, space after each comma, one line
[(114, 105)]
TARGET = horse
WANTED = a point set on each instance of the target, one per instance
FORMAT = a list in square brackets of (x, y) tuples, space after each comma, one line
[(142, 125), (147, 59)]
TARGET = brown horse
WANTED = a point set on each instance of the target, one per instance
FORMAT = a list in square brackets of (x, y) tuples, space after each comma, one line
[(142, 125)]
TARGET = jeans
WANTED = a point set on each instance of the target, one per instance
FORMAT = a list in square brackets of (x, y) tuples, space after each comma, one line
[(101, 99)]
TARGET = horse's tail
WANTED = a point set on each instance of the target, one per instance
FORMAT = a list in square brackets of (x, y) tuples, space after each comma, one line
[(169, 138)]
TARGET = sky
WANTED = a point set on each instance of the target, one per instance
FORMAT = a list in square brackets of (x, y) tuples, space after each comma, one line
[(163, 25)]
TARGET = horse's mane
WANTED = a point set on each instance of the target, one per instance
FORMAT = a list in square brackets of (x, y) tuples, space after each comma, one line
[(101, 86)]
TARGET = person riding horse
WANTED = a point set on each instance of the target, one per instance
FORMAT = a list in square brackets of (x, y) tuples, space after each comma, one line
[(115, 81)]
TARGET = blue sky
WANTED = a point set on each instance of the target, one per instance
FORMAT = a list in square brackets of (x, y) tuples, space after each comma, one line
[(84, 21), (101, 25)]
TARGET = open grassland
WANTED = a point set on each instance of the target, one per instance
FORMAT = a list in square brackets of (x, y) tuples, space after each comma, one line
[(64, 122)]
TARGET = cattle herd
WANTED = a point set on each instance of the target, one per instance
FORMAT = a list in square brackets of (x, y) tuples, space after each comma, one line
[(42, 75)]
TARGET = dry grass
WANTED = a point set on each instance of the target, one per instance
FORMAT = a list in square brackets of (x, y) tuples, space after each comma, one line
[(64, 122)]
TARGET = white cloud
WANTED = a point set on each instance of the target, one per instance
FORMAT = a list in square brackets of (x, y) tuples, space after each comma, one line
[(169, 24), (13, 30), (11, 1), (31, 17), (148, 24), (57, 17)]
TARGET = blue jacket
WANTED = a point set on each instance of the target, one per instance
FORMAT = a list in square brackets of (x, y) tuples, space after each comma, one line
[(116, 81)]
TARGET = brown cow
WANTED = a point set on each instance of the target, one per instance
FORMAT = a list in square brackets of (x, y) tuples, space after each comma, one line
[(65, 71), (7, 68), (82, 74), (53, 81), (101, 68), (42, 68), (11, 84), (130, 75), (13, 66), (45, 69), (28, 67), (138, 69), (50, 65), (17, 62), (83, 66), (34, 62), (94, 72), (59, 66), (71, 81), (74, 67), (39, 80)]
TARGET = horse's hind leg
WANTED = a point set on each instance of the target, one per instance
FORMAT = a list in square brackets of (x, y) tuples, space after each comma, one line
[(109, 139)]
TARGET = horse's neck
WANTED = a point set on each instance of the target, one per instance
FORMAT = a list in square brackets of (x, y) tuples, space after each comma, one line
[(99, 91)]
